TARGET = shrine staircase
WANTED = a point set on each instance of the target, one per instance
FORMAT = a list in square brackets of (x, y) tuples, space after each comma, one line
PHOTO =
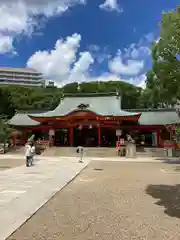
[(100, 152)]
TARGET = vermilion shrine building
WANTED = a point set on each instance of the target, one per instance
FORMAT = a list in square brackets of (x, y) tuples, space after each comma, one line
[(95, 120)]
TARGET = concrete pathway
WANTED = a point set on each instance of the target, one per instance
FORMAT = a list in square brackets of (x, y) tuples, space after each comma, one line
[(113, 158), (24, 190)]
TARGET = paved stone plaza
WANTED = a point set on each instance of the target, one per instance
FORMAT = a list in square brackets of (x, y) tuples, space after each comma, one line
[(108, 200), (24, 190)]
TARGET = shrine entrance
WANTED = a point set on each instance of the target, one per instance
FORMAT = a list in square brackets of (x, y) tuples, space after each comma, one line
[(61, 137), (86, 137), (108, 137)]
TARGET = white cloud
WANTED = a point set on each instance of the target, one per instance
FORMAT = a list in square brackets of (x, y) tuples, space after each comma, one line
[(141, 49), (130, 68), (80, 70), (65, 64), (62, 64), (94, 48), (57, 62), (135, 52), (111, 5), (150, 37), (100, 54), (131, 61), (6, 44), (139, 81), (22, 16)]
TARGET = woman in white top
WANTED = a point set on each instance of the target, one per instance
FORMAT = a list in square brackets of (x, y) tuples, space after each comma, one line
[(28, 154)]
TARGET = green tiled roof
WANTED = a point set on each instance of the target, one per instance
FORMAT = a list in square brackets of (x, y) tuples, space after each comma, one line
[(111, 106), (101, 105), (22, 119), (159, 117)]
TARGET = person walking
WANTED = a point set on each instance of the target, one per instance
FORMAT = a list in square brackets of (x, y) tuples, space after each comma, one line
[(28, 154), (33, 152), (130, 147)]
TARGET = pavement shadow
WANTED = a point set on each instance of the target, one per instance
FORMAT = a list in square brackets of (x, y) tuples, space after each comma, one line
[(168, 196), (169, 160), (4, 167)]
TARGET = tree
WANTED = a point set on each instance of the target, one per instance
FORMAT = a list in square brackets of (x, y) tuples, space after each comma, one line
[(178, 134), (26, 98), (6, 104), (5, 133), (30, 99), (164, 78)]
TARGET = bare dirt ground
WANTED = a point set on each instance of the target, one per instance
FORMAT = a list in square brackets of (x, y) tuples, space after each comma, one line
[(11, 163), (112, 201)]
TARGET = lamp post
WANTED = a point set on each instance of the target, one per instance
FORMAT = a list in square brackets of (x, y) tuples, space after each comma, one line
[(178, 128), (178, 110), (78, 87)]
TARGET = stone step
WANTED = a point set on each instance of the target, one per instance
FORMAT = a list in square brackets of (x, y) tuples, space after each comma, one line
[(19, 150), (99, 152)]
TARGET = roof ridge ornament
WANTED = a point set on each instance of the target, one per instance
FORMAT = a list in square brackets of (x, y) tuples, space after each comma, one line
[(83, 106), (118, 92)]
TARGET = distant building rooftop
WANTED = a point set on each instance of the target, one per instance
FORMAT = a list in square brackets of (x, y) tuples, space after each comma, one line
[(10, 69)]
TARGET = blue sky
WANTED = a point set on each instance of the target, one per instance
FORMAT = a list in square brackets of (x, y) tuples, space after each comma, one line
[(81, 40)]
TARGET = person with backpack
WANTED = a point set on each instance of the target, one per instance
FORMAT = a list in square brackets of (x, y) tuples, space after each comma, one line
[(28, 154)]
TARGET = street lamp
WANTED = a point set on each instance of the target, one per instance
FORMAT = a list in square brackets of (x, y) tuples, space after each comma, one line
[(78, 88), (177, 130), (178, 110)]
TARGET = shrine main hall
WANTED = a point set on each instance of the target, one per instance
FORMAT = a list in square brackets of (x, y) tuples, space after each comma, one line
[(95, 119)]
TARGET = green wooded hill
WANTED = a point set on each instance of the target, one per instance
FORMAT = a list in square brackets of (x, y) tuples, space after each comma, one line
[(24, 98)]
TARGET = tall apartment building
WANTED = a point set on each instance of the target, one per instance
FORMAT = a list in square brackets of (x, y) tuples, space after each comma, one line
[(21, 76)]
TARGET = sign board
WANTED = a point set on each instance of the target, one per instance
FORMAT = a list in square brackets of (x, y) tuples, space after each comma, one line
[(51, 132), (122, 141), (168, 144), (118, 132)]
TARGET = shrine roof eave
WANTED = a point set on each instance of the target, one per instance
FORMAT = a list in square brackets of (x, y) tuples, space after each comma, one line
[(51, 114), (22, 120), (151, 118), (107, 106)]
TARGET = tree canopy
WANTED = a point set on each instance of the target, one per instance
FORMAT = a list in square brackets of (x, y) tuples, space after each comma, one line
[(27, 99), (163, 80)]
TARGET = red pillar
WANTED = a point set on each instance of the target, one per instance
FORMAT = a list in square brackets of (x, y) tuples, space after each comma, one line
[(158, 134), (71, 135), (99, 135)]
